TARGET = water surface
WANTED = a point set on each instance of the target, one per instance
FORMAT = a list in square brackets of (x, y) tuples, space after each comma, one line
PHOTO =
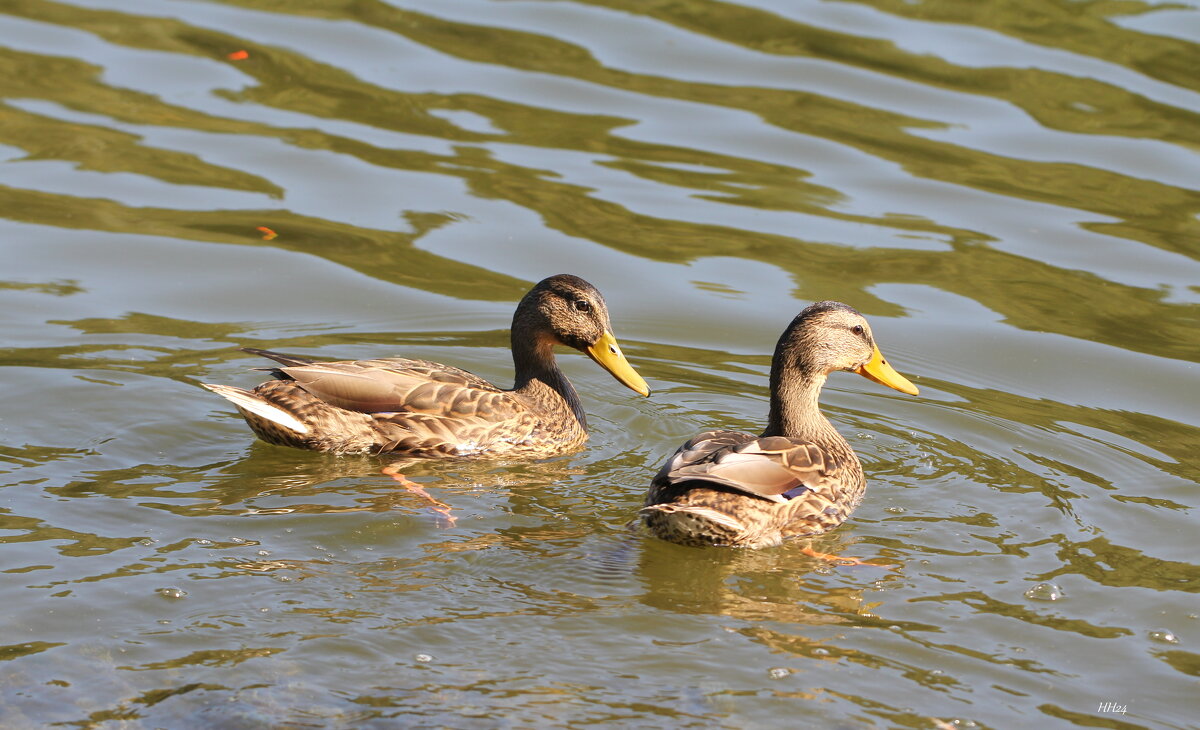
[(1009, 191)]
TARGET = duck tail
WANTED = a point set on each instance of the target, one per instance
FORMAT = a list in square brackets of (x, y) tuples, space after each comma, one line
[(253, 406)]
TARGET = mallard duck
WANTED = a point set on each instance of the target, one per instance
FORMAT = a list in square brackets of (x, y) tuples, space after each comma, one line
[(800, 477), (426, 409)]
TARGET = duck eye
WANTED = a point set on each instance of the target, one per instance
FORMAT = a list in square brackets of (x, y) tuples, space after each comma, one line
[(583, 305), (857, 329)]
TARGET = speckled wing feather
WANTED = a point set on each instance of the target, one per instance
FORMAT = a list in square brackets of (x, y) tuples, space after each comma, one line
[(419, 433), (775, 468), (400, 385)]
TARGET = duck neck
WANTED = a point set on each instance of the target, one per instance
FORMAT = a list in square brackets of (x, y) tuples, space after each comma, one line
[(795, 411), (539, 380)]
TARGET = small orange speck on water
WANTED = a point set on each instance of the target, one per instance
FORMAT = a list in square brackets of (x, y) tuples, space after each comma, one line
[(239, 55), (268, 234)]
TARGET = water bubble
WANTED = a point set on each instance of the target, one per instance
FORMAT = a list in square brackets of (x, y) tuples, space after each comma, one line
[(264, 552), (1166, 636), (865, 436), (203, 541), (895, 510), (147, 541), (1045, 592), (238, 540), (172, 592), (424, 658), (778, 672), (820, 651)]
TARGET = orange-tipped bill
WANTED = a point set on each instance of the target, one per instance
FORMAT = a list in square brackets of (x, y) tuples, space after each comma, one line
[(877, 369), (609, 356)]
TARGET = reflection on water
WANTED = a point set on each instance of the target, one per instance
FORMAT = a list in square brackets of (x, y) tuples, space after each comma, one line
[(1009, 189)]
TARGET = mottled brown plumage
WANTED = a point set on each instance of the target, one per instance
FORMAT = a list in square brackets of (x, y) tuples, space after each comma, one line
[(426, 409), (800, 477)]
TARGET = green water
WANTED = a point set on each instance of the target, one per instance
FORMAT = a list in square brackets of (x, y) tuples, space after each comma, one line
[(1010, 191)]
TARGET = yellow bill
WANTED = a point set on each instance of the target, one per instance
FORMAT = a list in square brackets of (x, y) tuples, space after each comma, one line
[(609, 356), (877, 369)]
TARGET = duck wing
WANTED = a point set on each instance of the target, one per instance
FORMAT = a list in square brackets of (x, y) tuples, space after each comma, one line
[(278, 357), (399, 385), (775, 468)]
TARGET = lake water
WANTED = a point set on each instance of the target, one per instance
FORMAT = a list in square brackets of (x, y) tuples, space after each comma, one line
[(1010, 191)]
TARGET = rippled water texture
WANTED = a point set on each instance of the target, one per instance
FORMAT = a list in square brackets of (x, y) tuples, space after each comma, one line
[(1009, 190)]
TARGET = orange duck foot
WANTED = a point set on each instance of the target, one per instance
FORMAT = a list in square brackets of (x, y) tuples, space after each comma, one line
[(841, 559), (440, 507)]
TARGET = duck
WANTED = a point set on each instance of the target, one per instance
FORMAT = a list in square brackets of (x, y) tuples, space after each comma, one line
[(424, 409), (799, 477)]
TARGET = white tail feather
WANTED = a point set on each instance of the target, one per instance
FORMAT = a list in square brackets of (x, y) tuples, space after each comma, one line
[(246, 400)]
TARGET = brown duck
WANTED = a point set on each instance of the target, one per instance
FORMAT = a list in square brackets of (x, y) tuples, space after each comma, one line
[(800, 477), (426, 409)]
